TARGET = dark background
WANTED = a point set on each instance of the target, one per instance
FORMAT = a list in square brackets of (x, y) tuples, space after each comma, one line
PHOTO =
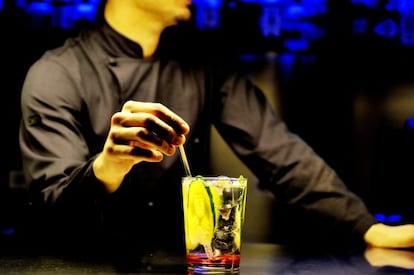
[(349, 92)]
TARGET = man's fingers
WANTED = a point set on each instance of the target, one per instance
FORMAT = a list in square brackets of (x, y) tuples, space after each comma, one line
[(142, 138), (128, 151), (152, 123), (160, 111), (161, 130)]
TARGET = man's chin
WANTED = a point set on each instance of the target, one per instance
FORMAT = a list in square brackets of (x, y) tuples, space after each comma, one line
[(185, 16)]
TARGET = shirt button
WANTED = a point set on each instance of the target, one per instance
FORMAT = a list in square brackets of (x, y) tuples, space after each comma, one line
[(33, 120), (196, 140), (112, 62)]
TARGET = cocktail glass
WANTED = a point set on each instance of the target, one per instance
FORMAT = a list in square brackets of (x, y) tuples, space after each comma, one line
[(214, 210)]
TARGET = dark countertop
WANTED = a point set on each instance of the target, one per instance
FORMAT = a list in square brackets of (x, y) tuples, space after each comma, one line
[(256, 258)]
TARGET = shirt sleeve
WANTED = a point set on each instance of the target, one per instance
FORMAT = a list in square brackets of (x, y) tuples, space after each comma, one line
[(55, 155), (284, 163)]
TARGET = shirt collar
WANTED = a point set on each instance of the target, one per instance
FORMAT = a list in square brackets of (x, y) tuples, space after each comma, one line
[(118, 45)]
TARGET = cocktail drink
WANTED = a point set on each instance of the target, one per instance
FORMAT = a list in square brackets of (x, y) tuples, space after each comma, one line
[(213, 216)]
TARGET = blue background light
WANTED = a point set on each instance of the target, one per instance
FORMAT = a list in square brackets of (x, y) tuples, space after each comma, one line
[(279, 18), (387, 28), (410, 123), (368, 3), (391, 218)]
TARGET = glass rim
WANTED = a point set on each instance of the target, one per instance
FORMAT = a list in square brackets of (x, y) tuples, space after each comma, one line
[(215, 178)]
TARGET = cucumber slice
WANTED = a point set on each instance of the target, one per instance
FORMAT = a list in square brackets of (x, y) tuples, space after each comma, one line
[(200, 215)]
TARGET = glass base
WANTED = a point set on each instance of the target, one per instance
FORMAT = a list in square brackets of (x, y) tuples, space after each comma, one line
[(212, 269), (200, 263)]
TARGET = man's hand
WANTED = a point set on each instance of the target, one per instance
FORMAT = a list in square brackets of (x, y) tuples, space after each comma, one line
[(398, 236), (380, 257), (141, 131)]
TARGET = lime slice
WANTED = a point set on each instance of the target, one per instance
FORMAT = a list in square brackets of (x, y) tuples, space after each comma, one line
[(216, 201), (240, 213), (237, 229), (200, 217)]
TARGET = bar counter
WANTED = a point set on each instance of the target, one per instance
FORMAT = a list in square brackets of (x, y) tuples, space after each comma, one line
[(256, 258)]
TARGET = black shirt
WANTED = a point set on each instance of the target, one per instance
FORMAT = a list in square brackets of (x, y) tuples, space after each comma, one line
[(68, 98)]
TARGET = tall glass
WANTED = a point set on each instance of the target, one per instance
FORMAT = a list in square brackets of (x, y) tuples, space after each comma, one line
[(213, 216)]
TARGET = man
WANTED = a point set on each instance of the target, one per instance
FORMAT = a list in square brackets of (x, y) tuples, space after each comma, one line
[(102, 117)]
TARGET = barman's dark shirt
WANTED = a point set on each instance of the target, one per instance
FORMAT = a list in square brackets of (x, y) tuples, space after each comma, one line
[(68, 99)]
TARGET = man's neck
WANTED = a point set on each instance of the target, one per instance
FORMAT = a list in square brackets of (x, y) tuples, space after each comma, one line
[(144, 31)]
